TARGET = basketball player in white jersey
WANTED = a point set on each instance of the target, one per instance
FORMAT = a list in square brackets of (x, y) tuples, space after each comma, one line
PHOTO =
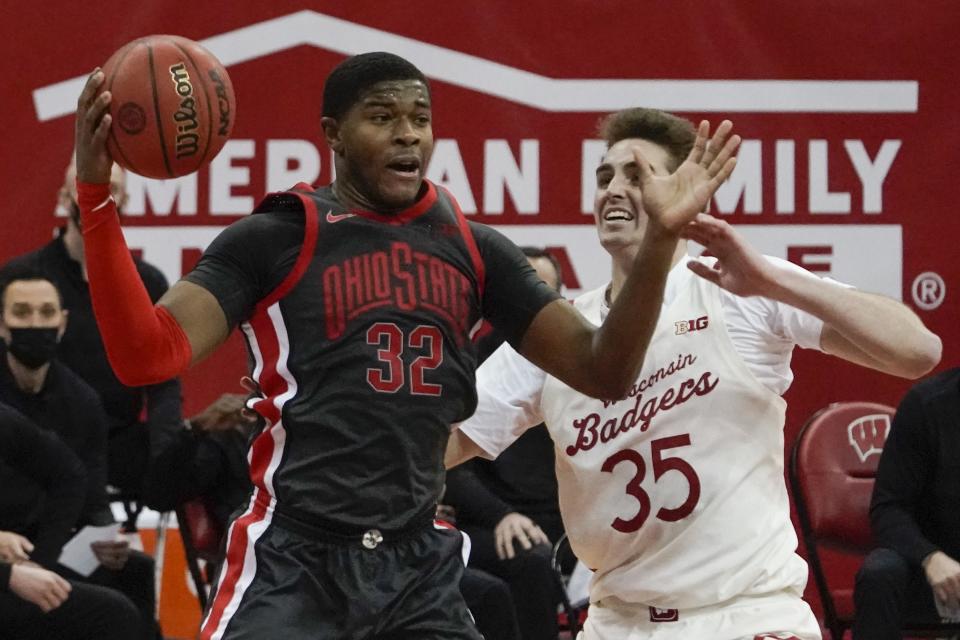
[(675, 495)]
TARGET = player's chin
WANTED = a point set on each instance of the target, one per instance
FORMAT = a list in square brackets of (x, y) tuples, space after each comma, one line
[(400, 196)]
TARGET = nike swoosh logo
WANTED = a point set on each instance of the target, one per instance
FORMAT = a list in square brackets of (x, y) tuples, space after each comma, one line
[(337, 217)]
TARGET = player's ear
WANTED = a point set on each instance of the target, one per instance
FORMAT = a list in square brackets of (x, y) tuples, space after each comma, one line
[(331, 131)]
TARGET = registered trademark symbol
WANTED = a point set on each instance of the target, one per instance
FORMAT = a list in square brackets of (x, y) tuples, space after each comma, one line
[(929, 290)]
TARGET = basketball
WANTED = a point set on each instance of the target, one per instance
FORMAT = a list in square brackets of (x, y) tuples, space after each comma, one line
[(172, 106)]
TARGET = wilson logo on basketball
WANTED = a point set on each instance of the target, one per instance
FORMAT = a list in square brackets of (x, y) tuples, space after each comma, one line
[(188, 142), (868, 434), (686, 326)]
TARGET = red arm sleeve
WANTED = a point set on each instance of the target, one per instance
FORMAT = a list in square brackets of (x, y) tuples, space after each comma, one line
[(144, 343)]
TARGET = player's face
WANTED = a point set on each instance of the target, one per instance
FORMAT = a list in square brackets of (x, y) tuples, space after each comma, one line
[(618, 212), (31, 304), (385, 142)]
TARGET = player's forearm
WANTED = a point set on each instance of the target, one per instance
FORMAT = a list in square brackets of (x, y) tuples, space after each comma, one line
[(620, 344), (144, 344), (891, 336)]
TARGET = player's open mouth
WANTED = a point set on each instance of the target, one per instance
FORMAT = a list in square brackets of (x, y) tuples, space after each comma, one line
[(405, 167), (617, 215)]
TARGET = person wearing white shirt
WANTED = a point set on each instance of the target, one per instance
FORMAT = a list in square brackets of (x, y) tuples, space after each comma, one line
[(674, 496)]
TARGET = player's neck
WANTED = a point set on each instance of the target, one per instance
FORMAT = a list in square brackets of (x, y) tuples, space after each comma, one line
[(622, 262), (353, 198), (28, 380)]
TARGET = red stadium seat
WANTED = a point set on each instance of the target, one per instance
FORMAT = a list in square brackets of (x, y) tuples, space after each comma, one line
[(202, 538), (832, 471)]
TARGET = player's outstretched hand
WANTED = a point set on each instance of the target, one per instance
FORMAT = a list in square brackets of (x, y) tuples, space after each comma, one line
[(93, 125), (516, 527), (740, 269), (675, 199), (43, 588)]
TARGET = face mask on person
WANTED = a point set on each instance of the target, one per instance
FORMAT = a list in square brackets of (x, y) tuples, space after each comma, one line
[(33, 346)]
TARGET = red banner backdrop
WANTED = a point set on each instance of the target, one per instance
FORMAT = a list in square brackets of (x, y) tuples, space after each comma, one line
[(848, 164)]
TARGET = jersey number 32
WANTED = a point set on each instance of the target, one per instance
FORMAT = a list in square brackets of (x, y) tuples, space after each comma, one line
[(391, 376)]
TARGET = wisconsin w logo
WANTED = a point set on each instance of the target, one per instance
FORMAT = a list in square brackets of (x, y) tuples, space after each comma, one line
[(868, 434)]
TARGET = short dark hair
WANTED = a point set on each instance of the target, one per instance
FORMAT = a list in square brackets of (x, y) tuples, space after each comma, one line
[(17, 272), (349, 79), (671, 132), (540, 252)]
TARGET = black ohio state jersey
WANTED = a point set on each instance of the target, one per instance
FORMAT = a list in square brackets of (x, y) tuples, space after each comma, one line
[(363, 350)]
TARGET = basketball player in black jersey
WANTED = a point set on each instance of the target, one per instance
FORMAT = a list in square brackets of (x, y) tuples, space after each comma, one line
[(358, 301)]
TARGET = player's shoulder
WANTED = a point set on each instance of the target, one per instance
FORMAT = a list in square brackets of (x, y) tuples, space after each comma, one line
[(485, 233)]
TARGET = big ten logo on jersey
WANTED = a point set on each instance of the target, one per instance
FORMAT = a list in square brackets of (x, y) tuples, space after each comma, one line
[(686, 326), (868, 434), (664, 615)]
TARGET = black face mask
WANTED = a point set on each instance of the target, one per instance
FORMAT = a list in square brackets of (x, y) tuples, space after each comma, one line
[(33, 346)]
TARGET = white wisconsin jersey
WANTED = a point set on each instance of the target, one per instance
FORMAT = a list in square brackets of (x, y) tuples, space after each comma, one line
[(675, 496)]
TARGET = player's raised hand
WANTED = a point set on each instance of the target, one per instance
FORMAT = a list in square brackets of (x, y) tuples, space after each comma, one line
[(675, 199), (740, 269), (93, 126)]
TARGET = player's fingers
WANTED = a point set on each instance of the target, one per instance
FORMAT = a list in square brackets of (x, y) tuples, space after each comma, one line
[(704, 271), (700, 143), (722, 175), (500, 547), (94, 80), (717, 143), (26, 545), (729, 149), (644, 170), (99, 139)]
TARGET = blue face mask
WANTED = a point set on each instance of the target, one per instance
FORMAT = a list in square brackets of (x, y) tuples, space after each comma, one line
[(33, 347)]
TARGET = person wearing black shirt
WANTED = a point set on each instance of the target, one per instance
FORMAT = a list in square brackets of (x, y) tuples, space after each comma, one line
[(32, 321), (63, 260), (914, 574), (43, 492)]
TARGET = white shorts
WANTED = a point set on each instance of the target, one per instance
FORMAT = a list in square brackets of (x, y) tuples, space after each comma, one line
[(780, 616)]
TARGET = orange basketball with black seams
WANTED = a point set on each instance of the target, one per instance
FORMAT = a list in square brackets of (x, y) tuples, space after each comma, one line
[(173, 106)]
